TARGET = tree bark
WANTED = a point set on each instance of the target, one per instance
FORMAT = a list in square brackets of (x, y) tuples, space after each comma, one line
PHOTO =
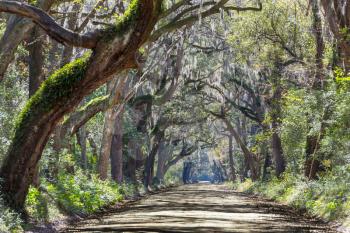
[(81, 139), (312, 165), (317, 30), (277, 153), (36, 60), (93, 146), (106, 143), (71, 24), (115, 88), (162, 157), (117, 150), (130, 169), (337, 14), (230, 155), (275, 114), (267, 162), (155, 142), (249, 156), (36, 65)]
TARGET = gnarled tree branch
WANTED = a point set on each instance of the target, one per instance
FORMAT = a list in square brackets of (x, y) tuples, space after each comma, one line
[(49, 25), (190, 20)]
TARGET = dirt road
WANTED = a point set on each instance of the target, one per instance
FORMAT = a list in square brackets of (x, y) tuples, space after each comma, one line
[(201, 208)]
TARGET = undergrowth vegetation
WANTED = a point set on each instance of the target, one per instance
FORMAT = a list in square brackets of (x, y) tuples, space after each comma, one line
[(327, 197), (76, 194), (71, 194), (9, 220)]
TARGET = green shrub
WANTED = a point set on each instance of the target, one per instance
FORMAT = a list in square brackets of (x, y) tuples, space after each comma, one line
[(37, 205), (79, 194), (326, 197), (9, 221), (173, 175)]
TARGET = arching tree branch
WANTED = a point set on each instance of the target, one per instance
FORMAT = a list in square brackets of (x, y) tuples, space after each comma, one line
[(189, 20), (49, 25)]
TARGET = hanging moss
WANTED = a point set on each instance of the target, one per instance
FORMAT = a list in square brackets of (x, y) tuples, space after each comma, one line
[(155, 129), (55, 91), (124, 22), (141, 100)]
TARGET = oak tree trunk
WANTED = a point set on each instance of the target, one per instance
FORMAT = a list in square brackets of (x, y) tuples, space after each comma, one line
[(275, 113), (312, 164), (106, 143), (36, 65), (250, 157), (117, 150), (337, 14), (230, 155), (155, 142), (81, 139), (163, 154), (130, 169)]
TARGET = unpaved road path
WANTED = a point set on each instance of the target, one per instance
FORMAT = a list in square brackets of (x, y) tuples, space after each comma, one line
[(201, 208)]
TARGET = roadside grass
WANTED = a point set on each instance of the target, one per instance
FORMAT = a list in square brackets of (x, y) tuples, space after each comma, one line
[(9, 221), (71, 195), (328, 197)]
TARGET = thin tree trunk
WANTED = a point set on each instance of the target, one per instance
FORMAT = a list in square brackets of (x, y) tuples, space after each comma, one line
[(317, 30), (277, 153), (36, 65), (162, 157), (230, 155), (81, 139), (337, 15), (249, 156), (36, 60), (116, 85), (92, 144), (71, 24), (117, 150), (267, 162), (156, 139), (275, 114), (312, 165), (102, 165), (131, 161)]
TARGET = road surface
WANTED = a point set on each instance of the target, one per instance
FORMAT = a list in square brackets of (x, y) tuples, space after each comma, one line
[(201, 208)]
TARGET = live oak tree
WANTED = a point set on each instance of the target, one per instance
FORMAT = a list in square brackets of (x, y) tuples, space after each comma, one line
[(113, 51)]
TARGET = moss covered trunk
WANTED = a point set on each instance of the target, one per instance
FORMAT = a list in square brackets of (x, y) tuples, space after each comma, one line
[(64, 90), (34, 126)]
